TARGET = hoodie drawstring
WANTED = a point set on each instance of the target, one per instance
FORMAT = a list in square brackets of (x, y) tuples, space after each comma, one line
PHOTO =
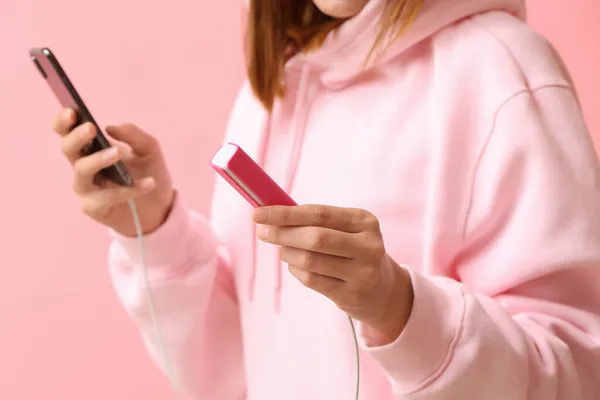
[(300, 115), (261, 156)]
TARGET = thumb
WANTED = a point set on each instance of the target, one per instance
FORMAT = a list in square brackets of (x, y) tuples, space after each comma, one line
[(141, 143)]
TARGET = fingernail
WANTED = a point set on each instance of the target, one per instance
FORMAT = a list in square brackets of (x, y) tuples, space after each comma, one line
[(89, 131), (262, 232), (111, 154), (70, 114), (260, 215)]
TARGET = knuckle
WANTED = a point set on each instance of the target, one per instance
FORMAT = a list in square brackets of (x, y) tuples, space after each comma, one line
[(273, 234), (369, 220), (66, 146), (87, 127), (280, 213), (318, 214), (149, 139), (154, 143), (376, 248), (121, 195), (286, 255), (320, 239), (60, 123), (308, 261), (80, 167), (310, 280), (374, 222), (89, 207)]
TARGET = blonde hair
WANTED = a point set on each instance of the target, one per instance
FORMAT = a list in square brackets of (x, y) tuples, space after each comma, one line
[(277, 26)]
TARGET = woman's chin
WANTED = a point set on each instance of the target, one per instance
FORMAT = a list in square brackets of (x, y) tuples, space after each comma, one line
[(340, 8)]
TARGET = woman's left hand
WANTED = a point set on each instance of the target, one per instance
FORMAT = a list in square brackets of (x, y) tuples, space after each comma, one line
[(339, 252)]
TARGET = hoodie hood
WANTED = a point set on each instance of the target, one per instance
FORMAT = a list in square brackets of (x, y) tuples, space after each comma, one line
[(342, 56)]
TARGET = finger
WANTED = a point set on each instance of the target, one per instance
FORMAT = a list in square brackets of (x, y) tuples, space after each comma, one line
[(140, 142), (325, 285), (125, 151), (73, 143), (98, 202), (64, 121), (318, 263), (86, 168), (320, 240), (351, 220)]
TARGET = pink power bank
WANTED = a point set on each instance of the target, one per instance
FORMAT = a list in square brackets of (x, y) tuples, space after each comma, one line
[(248, 178)]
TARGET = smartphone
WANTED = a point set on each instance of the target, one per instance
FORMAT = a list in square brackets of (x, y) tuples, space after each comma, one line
[(49, 68), (248, 178)]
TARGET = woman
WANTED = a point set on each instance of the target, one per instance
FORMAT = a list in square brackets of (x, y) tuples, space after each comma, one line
[(457, 218)]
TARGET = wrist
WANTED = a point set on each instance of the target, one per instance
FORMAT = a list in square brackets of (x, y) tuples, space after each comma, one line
[(152, 216), (397, 307), (166, 202)]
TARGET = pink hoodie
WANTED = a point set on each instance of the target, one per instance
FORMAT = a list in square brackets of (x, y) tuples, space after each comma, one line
[(467, 142)]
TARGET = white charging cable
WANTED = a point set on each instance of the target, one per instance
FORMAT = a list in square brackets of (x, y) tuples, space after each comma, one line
[(160, 339), (356, 357)]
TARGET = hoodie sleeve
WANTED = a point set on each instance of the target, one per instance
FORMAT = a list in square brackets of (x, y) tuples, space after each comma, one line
[(194, 293), (521, 318), (192, 288)]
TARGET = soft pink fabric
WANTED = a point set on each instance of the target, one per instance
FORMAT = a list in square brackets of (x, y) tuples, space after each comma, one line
[(467, 141)]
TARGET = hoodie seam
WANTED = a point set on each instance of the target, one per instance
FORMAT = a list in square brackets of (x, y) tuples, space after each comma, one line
[(479, 160), (526, 88), (486, 145), (446, 360)]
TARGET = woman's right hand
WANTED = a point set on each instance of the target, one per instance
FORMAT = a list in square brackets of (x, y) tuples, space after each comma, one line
[(104, 201)]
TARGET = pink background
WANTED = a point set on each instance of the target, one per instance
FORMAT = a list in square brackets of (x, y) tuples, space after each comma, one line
[(173, 67)]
